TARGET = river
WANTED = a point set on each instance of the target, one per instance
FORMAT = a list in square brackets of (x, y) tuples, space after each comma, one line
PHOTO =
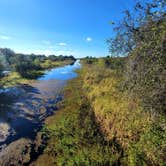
[(26, 106)]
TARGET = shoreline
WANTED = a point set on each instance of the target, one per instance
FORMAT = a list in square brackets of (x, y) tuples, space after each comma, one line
[(31, 103)]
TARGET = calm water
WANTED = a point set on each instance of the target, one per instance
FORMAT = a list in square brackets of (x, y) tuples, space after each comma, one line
[(30, 104), (61, 73)]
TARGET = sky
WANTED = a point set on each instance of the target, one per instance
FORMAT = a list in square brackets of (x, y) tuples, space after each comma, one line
[(67, 27)]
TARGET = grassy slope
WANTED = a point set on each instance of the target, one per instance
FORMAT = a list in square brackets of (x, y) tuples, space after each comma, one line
[(99, 124)]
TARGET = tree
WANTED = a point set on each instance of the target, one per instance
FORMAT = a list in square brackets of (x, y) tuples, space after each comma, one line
[(6, 56), (1, 68), (129, 34), (143, 38)]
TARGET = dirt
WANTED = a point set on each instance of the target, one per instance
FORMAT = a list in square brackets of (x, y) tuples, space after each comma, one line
[(23, 110)]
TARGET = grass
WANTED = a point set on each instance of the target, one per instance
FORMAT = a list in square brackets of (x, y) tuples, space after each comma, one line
[(13, 79), (74, 137), (100, 124)]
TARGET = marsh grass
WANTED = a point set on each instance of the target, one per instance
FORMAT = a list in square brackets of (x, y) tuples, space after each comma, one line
[(99, 123)]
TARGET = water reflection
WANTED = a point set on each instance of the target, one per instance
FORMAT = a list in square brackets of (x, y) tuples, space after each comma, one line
[(23, 108), (62, 73)]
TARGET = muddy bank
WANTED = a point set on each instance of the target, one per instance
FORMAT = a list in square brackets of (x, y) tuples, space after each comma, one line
[(23, 110), (25, 107), (22, 113)]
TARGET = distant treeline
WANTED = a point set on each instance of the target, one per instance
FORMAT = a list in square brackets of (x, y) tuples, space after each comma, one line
[(23, 63)]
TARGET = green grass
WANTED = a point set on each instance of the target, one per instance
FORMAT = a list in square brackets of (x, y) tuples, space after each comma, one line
[(74, 136), (100, 124)]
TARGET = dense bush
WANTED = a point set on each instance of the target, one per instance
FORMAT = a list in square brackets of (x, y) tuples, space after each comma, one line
[(90, 60), (142, 37), (115, 62), (1, 69), (61, 58), (6, 56), (146, 70)]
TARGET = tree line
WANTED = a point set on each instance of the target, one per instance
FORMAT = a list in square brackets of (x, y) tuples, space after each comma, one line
[(23, 63)]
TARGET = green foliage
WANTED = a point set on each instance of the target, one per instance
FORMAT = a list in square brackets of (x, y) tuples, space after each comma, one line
[(117, 63), (142, 37), (146, 70), (1, 69), (25, 67), (61, 58), (13, 79), (129, 33), (30, 66), (6, 56), (74, 137), (90, 60), (140, 134), (100, 124)]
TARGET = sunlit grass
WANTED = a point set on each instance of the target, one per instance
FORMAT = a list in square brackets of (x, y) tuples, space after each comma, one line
[(12, 79)]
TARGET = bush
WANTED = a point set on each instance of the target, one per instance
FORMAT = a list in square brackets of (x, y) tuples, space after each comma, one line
[(146, 68)]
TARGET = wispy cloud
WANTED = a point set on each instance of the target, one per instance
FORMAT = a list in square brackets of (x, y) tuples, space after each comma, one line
[(88, 39), (62, 44), (46, 42), (5, 37)]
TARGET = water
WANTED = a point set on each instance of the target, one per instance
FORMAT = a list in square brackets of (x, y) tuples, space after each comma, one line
[(61, 73), (30, 104)]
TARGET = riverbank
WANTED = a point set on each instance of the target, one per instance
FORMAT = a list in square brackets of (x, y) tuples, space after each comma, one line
[(23, 110), (24, 117), (73, 134), (14, 78), (99, 123)]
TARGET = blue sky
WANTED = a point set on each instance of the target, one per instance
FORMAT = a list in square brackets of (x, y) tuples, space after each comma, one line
[(78, 27)]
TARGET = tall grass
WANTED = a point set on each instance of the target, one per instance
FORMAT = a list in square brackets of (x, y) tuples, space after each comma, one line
[(99, 123)]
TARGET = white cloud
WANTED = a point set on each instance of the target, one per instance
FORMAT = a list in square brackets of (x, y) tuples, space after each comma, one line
[(88, 39), (46, 42), (4, 37), (62, 44)]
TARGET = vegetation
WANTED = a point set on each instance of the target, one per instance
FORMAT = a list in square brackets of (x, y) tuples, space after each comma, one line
[(13, 79), (100, 124), (114, 112), (1, 69), (143, 38), (28, 66), (74, 137)]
